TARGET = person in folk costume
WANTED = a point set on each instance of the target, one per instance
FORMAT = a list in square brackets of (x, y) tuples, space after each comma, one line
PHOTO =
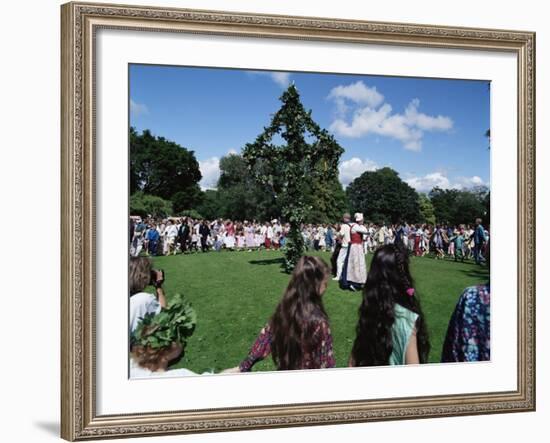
[(343, 237), (354, 270)]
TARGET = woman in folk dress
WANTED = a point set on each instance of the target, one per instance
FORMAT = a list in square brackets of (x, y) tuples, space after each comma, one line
[(354, 270)]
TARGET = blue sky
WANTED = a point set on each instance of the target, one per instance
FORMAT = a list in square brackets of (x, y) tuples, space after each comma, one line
[(432, 131)]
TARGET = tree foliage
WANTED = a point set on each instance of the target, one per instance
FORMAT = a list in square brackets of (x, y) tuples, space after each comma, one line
[(383, 197), (163, 168), (454, 206), (240, 196), (307, 153), (146, 205), (209, 206), (427, 210)]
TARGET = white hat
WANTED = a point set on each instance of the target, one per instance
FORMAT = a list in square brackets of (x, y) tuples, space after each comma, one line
[(358, 216), (274, 220)]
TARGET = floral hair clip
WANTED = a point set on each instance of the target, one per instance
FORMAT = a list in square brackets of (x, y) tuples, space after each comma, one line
[(410, 292)]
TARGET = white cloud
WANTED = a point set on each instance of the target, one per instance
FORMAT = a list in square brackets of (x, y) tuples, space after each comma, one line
[(371, 115), (281, 78), (438, 179), (358, 93), (138, 108), (426, 122), (429, 181), (469, 182), (210, 171), (353, 168)]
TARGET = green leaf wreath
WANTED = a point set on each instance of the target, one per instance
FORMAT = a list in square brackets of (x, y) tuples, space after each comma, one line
[(175, 323)]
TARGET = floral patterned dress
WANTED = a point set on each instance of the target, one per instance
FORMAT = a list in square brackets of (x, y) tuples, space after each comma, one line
[(469, 333), (319, 357)]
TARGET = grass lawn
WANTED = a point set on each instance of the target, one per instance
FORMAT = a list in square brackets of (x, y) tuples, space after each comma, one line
[(234, 293)]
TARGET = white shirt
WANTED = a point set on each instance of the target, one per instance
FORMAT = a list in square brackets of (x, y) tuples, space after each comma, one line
[(172, 231), (137, 371), (345, 233), (141, 304), (362, 229)]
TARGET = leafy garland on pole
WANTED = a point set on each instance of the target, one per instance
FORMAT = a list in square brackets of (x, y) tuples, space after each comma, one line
[(310, 153)]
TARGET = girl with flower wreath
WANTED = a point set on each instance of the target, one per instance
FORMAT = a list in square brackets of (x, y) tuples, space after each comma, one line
[(391, 329)]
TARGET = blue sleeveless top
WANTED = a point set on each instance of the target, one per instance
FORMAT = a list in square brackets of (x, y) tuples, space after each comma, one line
[(401, 333)]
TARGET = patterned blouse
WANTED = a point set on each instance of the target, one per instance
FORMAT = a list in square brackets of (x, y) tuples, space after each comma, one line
[(469, 333), (322, 356)]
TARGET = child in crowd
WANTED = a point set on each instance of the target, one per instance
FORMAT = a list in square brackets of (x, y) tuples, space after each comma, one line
[(458, 241)]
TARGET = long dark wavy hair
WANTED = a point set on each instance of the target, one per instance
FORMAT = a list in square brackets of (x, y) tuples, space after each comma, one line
[(298, 313), (387, 283)]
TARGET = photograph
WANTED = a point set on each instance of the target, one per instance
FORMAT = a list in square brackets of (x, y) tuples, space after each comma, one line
[(283, 220), (276, 220)]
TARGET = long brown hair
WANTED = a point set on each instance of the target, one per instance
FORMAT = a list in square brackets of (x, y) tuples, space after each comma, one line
[(139, 273), (298, 313), (156, 359), (388, 280)]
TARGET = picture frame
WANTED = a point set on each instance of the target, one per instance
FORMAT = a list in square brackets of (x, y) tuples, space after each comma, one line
[(80, 23)]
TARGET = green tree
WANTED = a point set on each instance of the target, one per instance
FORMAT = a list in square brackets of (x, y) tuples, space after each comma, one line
[(326, 199), (285, 170), (209, 207), (487, 207), (146, 205), (427, 210), (444, 203), (382, 196), (187, 199), (454, 206), (163, 168), (240, 196)]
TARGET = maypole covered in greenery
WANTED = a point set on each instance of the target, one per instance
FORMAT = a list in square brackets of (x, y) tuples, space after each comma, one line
[(307, 154)]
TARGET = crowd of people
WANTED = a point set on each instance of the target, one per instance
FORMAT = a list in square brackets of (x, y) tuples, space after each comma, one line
[(391, 327), (175, 235)]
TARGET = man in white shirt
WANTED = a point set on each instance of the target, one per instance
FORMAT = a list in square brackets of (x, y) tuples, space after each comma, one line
[(142, 303), (171, 234), (277, 229), (345, 235)]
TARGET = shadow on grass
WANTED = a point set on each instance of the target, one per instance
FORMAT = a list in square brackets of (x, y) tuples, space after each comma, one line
[(268, 261), (481, 273)]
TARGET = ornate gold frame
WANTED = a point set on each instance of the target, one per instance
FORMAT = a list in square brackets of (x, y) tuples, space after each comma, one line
[(79, 23)]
